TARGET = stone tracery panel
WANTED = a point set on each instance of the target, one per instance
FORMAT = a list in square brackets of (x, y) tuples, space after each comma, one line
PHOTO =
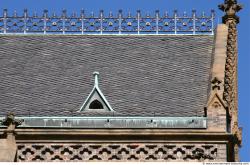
[(117, 152)]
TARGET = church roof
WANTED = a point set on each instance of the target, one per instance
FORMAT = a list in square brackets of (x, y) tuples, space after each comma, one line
[(140, 75)]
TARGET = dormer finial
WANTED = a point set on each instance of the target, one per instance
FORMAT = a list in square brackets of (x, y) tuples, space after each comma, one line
[(96, 76)]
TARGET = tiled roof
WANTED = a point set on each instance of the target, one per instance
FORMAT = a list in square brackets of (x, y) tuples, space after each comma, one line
[(51, 75)]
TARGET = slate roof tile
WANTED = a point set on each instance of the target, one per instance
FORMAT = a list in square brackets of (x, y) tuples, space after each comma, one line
[(51, 75)]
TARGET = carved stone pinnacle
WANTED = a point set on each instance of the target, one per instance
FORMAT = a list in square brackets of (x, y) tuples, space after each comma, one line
[(230, 7), (10, 120)]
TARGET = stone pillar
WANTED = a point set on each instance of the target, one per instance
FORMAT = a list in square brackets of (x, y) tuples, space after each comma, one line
[(230, 95), (8, 148)]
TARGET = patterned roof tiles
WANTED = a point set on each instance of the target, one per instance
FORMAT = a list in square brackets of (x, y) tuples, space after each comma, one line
[(51, 75)]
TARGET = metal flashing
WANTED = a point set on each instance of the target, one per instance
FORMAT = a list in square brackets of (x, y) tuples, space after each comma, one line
[(114, 122)]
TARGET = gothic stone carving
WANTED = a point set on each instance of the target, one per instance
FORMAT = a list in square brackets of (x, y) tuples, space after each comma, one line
[(117, 152), (8, 144), (216, 83), (231, 7)]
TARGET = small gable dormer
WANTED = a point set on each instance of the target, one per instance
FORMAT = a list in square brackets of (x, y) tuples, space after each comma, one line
[(96, 99)]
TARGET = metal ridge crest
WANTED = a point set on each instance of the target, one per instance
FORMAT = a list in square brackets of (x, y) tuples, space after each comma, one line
[(120, 23)]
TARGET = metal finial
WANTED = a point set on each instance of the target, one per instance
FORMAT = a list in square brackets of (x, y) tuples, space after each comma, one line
[(193, 12), (212, 13), (157, 12), (82, 13), (184, 14), (166, 14), (96, 75), (25, 12), (120, 13), (203, 15), (15, 13), (35, 14), (64, 13), (101, 13), (5, 12), (129, 14), (175, 12), (230, 7), (73, 15), (92, 14), (45, 13), (110, 14), (54, 14), (138, 13)]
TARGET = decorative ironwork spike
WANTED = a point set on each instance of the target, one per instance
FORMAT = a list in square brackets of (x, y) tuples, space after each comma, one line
[(15, 13), (166, 14), (157, 15), (184, 14), (120, 13), (25, 12), (101, 13), (110, 14), (230, 7), (193, 12), (74, 15), (5, 12), (129, 14), (54, 14), (212, 13), (82, 13), (35, 14), (138, 12), (175, 13), (92, 14), (64, 13), (157, 12), (203, 15), (45, 13)]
